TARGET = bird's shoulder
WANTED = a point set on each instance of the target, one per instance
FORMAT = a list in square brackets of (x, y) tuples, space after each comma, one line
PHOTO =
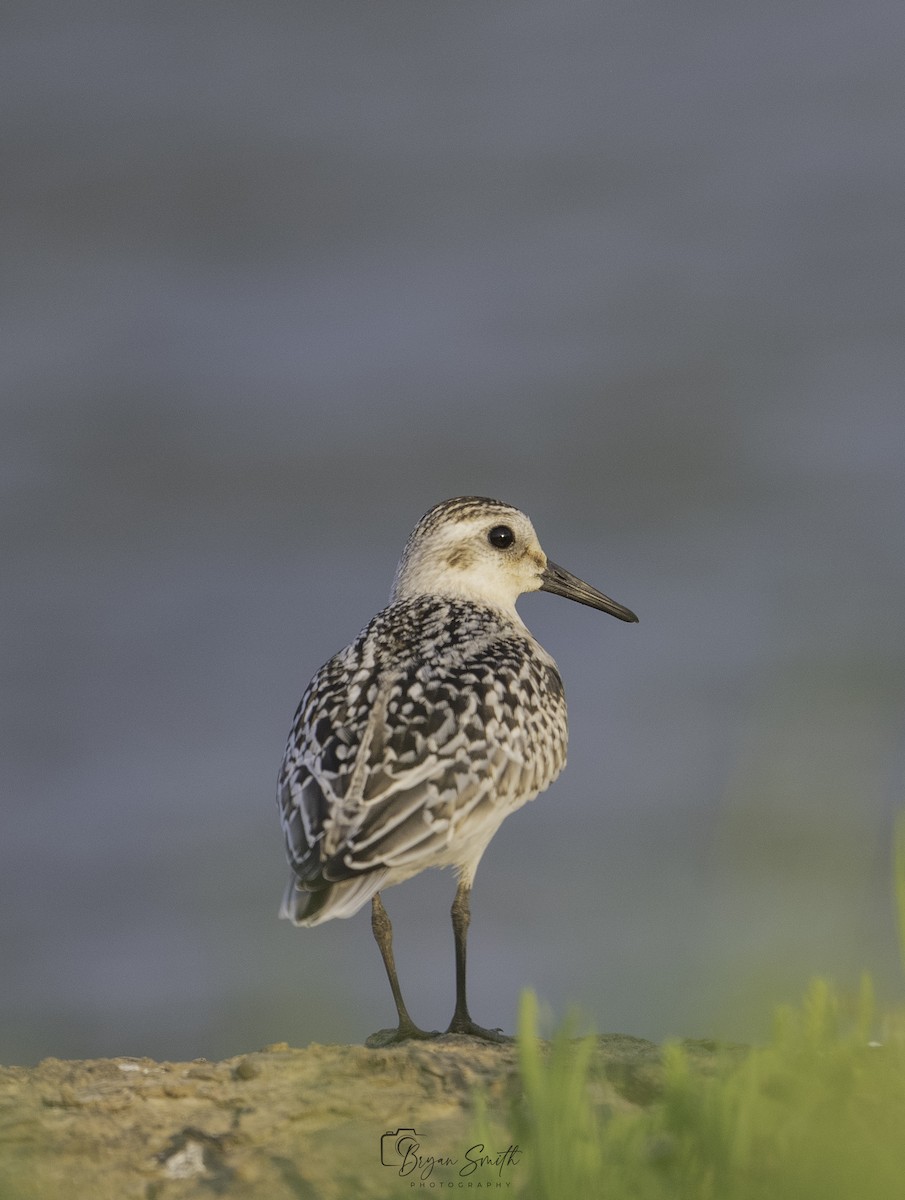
[(423, 653), (423, 675)]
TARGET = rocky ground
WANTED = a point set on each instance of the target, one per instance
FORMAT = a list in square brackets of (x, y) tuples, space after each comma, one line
[(318, 1123)]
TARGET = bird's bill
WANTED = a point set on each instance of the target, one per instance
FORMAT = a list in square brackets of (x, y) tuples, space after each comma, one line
[(561, 582)]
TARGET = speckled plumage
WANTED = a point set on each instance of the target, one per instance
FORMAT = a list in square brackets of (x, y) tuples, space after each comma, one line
[(412, 745)]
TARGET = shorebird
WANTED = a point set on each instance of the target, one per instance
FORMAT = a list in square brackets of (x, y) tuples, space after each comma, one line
[(412, 745)]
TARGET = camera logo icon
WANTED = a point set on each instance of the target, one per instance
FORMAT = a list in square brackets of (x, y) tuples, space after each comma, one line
[(392, 1147)]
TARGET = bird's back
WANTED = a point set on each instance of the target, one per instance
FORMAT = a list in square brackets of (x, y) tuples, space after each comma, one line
[(410, 747)]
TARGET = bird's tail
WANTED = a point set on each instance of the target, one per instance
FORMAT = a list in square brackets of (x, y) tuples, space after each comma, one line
[(343, 899)]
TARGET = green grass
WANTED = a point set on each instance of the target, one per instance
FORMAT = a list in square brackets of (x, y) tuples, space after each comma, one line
[(817, 1113)]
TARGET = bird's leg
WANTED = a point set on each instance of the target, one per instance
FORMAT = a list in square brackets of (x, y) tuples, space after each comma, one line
[(383, 935), (462, 1022)]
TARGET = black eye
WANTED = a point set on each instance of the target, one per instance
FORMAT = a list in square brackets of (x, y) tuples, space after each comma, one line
[(501, 536)]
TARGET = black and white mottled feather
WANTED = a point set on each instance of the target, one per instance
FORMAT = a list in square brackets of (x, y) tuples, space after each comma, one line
[(410, 747), (413, 744)]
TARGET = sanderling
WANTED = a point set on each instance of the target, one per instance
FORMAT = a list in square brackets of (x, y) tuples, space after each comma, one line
[(411, 746)]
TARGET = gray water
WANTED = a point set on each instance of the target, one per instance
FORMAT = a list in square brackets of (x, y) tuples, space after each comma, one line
[(279, 277)]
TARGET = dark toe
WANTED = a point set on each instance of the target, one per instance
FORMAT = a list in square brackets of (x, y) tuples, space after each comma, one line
[(402, 1033), (468, 1028)]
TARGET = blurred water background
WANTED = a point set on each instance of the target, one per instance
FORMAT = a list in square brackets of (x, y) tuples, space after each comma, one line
[(277, 278)]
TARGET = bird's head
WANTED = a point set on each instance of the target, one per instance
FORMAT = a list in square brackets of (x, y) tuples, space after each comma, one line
[(483, 550)]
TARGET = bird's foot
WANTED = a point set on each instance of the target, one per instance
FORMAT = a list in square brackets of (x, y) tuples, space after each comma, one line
[(465, 1025), (405, 1031)]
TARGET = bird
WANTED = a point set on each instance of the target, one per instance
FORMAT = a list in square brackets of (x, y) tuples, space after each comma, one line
[(411, 746)]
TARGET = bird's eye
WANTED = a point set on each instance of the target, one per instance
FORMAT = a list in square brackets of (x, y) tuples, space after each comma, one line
[(501, 536)]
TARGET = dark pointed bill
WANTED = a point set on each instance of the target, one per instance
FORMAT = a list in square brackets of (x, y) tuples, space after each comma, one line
[(561, 582)]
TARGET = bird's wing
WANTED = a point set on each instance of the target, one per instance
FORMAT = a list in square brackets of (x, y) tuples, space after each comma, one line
[(385, 775)]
